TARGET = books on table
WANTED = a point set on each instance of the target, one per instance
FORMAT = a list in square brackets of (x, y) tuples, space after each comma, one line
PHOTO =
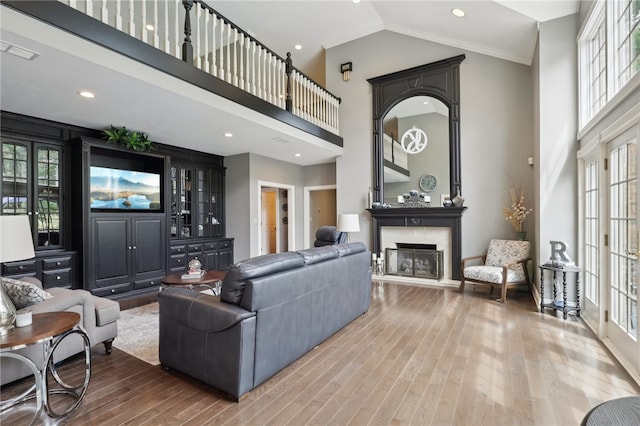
[(192, 275)]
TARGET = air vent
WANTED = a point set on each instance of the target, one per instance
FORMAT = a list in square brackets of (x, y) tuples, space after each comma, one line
[(18, 51)]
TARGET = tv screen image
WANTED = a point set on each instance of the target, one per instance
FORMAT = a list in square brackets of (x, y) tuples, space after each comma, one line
[(117, 189)]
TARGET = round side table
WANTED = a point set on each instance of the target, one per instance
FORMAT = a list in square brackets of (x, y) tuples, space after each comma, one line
[(211, 279), (50, 329)]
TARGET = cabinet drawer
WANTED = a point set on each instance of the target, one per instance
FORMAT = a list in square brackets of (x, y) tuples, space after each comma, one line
[(58, 278), (178, 250), (225, 244), (154, 282), (23, 267), (211, 246), (56, 263), (179, 261), (194, 248), (111, 290)]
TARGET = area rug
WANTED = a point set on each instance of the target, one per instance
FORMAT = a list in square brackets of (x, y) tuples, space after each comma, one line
[(138, 333)]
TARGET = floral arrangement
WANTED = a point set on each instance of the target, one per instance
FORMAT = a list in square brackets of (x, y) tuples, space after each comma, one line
[(517, 212)]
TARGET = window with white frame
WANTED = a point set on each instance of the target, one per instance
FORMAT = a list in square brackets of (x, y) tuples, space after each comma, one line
[(591, 233), (609, 50)]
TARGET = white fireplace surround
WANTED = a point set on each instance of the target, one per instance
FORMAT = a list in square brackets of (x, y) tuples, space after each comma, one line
[(440, 236)]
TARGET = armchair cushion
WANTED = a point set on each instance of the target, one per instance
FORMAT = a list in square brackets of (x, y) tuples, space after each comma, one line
[(23, 294), (493, 274), (506, 251)]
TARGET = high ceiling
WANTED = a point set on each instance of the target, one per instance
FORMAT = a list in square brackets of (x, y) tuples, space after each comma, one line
[(177, 113)]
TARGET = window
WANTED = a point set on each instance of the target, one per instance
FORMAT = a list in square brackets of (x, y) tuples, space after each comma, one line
[(591, 233), (609, 49)]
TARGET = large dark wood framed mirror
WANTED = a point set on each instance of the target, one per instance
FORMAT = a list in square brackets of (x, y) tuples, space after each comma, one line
[(429, 95)]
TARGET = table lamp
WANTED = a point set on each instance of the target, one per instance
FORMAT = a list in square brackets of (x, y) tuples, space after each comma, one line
[(16, 243), (348, 222)]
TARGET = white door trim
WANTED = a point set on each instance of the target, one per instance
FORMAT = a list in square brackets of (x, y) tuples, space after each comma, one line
[(291, 213)]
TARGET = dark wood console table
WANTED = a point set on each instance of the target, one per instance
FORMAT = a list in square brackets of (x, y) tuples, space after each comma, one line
[(555, 305)]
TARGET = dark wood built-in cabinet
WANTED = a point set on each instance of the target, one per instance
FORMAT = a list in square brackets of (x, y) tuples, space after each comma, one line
[(127, 253), (119, 250)]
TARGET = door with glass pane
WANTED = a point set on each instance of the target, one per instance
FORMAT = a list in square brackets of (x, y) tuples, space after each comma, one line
[(622, 294), (591, 261)]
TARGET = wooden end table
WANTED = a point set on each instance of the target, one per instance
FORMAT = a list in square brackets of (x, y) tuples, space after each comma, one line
[(211, 279), (50, 329)]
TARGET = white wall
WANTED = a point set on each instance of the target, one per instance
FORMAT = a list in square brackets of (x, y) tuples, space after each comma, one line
[(557, 146), (496, 129)]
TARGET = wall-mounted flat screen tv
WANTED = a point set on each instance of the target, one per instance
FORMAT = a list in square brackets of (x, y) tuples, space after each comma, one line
[(118, 189)]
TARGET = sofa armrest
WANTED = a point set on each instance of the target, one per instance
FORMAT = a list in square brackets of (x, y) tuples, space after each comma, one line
[(199, 311), (32, 280), (62, 300)]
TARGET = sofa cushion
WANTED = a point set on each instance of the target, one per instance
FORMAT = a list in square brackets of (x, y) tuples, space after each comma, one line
[(318, 254), (236, 277), (23, 294)]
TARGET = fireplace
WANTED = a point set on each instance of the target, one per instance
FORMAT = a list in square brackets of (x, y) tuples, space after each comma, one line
[(431, 225), (414, 260)]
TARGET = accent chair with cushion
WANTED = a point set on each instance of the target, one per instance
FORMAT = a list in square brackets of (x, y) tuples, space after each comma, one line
[(504, 265), (99, 318), (328, 236)]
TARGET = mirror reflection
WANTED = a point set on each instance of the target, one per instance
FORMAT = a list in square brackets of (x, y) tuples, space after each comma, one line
[(426, 171)]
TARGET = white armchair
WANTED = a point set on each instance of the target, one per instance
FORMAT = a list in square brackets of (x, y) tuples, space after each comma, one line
[(504, 265)]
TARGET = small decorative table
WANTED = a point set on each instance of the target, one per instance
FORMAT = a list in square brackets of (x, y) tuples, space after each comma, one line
[(50, 329), (557, 305)]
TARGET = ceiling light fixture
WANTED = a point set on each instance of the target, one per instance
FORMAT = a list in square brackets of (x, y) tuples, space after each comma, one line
[(298, 46), (457, 12), (297, 154), (150, 27), (228, 135), (86, 94), (356, 1)]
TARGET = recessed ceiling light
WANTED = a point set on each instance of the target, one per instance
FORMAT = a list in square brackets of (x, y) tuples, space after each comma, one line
[(228, 135), (458, 12), (150, 27), (356, 1), (297, 154), (298, 46), (86, 94)]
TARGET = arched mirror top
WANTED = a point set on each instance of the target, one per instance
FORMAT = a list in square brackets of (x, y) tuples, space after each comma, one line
[(404, 93)]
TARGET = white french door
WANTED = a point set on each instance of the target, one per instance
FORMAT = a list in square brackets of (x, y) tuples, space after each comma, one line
[(621, 286), (592, 236)]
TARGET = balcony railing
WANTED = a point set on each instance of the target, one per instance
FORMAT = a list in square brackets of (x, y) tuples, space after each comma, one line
[(194, 32)]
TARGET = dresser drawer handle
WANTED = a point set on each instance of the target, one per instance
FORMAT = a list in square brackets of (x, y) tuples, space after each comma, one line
[(113, 290), (58, 263), (58, 277)]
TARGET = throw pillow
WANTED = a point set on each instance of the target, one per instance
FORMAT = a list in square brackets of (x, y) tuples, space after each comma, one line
[(23, 294)]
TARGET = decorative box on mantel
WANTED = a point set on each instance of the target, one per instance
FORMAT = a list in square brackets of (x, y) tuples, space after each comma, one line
[(445, 217)]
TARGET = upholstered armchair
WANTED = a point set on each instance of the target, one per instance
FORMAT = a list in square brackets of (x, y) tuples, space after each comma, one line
[(329, 235), (504, 265)]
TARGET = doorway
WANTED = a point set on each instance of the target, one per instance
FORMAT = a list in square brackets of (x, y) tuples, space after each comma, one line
[(320, 210), (277, 220)]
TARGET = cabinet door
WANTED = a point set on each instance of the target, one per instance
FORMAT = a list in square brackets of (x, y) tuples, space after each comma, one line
[(111, 252), (16, 197), (203, 195), (210, 260), (148, 247), (47, 195), (216, 209)]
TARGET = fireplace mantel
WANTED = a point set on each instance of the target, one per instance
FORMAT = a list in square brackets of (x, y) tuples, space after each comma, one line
[(447, 217)]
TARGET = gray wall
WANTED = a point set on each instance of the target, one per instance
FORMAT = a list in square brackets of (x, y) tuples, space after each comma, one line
[(496, 129), (244, 171)]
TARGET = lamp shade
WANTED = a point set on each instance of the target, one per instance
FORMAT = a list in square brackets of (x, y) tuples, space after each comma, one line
[(348, 222), (16, 242)]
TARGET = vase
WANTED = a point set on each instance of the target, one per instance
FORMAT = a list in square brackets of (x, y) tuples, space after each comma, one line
[(522, 235)]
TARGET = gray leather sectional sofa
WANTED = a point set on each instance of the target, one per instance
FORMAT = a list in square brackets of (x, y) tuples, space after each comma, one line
[(271, 311)]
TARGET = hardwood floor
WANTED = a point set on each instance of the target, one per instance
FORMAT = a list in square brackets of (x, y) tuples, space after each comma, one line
[(420, 356)]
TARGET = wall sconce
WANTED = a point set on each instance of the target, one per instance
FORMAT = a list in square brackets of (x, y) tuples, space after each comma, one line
[(346, 69)]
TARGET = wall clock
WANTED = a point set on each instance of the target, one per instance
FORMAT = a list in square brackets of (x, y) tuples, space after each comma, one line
[(428, 183)]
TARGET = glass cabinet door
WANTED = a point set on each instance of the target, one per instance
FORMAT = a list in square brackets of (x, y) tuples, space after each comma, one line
[(216, 205), (47, 195), (173, 231), (15, 178), (31, 182), (204, 205), (186, 203)]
